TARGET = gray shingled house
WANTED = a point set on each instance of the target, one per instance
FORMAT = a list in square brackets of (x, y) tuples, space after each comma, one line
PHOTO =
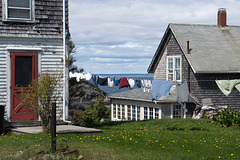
[(198, 54), (206, 53), (34, 38)]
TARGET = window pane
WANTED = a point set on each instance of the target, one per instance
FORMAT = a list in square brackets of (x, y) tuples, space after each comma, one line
[(19, 3), (114, 110), (119, 112), (129, 112), (145, 113), (23, 71), (156, 113), (138, 112), (177, 63), (133, 113), (18, 13), (178, 77), (123, 111), (170, 63), (150, 112), (177, 111), (170, 77)]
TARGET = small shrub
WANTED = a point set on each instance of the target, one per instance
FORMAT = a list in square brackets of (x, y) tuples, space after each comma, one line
[(227, 118), (40, 95), (96, 114)]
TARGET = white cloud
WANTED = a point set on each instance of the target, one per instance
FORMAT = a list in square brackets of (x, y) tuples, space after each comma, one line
[(105, 30)]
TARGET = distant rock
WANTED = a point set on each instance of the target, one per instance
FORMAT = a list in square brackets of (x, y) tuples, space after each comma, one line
[(83, 89)]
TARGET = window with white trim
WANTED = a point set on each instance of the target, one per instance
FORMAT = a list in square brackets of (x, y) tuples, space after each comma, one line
[(174, 65), (145, 113), (134, 113), (156, 113), (138, 112), (177, 111), (119, 111), (128, 112), (150, 112), (18, 10), (123, 111), (114, 111)]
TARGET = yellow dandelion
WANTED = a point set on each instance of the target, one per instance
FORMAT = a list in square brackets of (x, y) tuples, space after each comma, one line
[(232, 154), (188, 150)]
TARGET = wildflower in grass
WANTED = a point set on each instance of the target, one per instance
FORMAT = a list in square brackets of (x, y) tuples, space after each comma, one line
[(189, 150), (219, 157)]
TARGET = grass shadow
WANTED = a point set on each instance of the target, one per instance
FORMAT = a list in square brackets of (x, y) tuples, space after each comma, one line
[(198, 129), (175, 129)]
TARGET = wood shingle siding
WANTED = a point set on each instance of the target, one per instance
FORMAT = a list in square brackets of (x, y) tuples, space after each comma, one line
[(48, 22), (201, 85)]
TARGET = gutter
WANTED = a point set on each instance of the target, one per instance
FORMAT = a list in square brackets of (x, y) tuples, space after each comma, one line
[(65, 108)]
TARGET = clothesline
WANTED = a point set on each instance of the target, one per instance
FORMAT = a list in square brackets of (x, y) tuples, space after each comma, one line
[(110, 81)]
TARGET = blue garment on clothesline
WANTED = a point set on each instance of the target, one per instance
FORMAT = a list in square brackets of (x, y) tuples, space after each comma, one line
[(160, 88)]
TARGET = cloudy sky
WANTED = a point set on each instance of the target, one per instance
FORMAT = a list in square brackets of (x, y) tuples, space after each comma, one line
[(121, 36)]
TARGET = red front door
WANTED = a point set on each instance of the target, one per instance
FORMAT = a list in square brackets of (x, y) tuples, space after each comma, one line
[(23, 71)]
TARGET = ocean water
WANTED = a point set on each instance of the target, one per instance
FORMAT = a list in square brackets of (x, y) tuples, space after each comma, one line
[(116, 89)]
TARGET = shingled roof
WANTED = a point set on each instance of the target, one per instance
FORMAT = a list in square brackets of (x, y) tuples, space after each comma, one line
[(138, 95), (214, 49)]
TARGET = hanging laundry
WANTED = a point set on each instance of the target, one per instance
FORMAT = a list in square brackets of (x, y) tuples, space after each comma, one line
[(110, 82), (93, 80), (78, 77), (116, 81), (160, 88), (131, 82), (72, 75), (138, 82), (88, 76), (183, 94), (146, 85), (102, 81), (226, 86), (124, 83)]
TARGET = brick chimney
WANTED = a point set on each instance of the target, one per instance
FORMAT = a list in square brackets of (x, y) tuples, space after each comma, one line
[(222, 17)]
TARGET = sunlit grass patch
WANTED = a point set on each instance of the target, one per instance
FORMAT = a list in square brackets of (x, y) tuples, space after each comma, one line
[(153, 139)]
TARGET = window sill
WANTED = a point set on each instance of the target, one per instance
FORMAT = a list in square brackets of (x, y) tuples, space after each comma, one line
[(18, 21)]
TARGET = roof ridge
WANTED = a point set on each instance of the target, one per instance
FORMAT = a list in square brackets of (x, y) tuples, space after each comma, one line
[(204, 25)]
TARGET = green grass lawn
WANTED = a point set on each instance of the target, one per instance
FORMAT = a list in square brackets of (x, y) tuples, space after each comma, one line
[(155, 139)]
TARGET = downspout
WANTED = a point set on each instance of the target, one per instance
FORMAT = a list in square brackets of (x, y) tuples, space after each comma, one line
[(64, 63)]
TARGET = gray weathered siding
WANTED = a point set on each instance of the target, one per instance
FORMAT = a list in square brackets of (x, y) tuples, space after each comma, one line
[(201, 85), (48, 22)]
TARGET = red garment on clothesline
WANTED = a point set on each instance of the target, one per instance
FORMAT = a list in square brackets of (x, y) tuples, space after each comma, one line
[(124, 83)]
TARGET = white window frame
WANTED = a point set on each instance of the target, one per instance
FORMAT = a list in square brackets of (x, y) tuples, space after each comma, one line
[(114, 111), (174, 68), (182, 111), (123, 111), (31, 8)]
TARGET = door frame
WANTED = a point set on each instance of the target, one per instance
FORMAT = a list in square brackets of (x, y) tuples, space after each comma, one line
[(12, 76)]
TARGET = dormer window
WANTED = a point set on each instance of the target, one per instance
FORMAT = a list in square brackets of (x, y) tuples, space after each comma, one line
[(18, 10)]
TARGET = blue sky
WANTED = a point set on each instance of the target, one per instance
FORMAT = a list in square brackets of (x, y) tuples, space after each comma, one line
[(121, 36)]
